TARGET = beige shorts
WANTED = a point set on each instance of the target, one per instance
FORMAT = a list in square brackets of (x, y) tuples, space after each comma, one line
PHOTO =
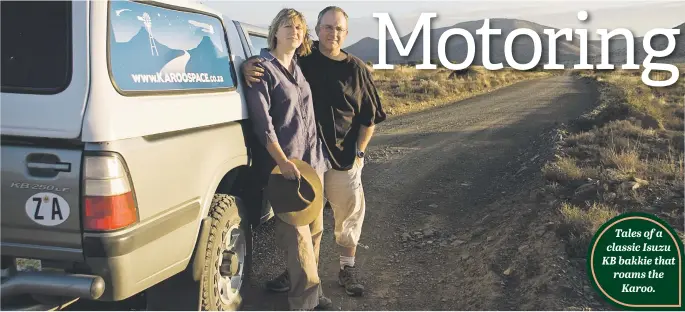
[(344, 191)]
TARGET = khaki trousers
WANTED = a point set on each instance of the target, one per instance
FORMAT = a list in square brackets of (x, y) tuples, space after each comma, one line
[(302, 244), (345, 193)]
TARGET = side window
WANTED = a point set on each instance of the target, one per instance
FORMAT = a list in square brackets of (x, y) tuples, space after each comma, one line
[(258, 43), (158, 49)]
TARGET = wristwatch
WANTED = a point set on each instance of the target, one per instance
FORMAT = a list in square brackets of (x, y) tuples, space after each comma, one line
[(360, 154)]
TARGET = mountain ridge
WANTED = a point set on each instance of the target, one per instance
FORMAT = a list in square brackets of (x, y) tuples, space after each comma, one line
[(568, 52)]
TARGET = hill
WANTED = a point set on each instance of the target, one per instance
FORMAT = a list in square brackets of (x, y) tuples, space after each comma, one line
[(617, 48)]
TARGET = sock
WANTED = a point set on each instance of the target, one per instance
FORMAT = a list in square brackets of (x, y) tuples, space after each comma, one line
[(346, 261)]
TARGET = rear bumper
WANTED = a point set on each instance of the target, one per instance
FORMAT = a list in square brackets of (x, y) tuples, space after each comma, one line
[(53, 284)]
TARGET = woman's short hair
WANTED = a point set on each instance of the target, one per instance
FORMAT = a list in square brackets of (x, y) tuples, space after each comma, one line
[(290, 16)]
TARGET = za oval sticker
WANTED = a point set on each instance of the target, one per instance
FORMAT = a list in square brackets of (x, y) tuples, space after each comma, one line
[(47, 209)]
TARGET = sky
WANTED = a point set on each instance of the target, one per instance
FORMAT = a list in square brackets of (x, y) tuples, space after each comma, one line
[(637, 16), (176, 31)]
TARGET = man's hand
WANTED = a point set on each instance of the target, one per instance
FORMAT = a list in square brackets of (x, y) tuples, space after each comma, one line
[(252, 73)]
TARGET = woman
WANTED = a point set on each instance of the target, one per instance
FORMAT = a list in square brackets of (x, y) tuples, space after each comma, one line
[(282, 114)]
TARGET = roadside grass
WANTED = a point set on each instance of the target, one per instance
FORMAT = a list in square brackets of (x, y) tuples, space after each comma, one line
[(628, 154), (406, 89), (581, 224)]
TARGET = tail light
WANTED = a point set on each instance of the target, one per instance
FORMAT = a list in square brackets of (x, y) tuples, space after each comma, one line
[(108, 196)]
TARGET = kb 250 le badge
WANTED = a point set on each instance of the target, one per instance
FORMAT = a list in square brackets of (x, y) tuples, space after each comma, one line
[(39, 187)]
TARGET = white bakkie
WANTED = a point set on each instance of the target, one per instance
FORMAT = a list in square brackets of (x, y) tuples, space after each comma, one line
[(126, 153)]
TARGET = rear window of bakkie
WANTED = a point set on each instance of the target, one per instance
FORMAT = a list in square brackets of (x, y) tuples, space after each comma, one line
[(36, 46), (155, 49)]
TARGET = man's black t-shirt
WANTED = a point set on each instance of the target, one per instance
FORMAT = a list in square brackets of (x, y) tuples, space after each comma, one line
[(345, 97)]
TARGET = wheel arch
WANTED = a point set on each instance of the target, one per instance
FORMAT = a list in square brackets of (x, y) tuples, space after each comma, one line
[(225, 181)]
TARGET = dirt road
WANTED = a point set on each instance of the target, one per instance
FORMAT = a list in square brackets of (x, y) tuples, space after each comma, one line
[(450, 223)]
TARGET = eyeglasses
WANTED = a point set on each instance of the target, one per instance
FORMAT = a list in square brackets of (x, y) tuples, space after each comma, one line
[(330, 28)]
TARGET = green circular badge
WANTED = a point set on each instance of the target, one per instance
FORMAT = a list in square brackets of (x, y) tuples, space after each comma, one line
[(635, 261)]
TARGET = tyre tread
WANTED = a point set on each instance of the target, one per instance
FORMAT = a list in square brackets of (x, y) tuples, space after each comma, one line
[(221, 206)]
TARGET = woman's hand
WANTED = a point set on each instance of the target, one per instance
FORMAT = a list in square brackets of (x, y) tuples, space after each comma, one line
[(289, 170)]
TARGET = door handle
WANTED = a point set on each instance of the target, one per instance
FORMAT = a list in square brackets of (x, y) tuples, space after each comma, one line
[(46, 165), (63, 167)]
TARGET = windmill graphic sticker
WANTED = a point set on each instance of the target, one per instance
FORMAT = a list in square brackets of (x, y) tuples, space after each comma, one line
[(148, 26), (186, 50)]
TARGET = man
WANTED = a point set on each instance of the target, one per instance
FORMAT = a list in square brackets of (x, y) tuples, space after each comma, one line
[(347, 108)]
